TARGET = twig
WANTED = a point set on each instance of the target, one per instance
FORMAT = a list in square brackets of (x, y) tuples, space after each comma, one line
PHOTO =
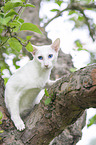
[(21, 8), (88, 24), (4, 42), (20, 40), (79, 7), (18, 13), (56, 16)]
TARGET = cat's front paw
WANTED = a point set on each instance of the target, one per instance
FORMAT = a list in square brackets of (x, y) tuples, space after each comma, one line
[(20, 125)]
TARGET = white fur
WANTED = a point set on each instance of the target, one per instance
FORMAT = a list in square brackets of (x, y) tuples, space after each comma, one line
[(22, 89)]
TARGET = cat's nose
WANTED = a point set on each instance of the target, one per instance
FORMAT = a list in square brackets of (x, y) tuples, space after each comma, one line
[(46, 66)]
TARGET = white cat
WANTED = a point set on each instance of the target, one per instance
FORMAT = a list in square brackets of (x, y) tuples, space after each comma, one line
[(23, 87)]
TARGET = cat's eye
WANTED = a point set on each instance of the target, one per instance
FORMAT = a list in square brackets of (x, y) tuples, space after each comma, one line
[(50, 55), (40, 57)]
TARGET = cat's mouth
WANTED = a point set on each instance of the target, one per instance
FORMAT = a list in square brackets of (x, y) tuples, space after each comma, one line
[(47, 67)]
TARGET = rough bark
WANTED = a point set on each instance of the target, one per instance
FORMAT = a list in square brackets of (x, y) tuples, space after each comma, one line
[(71, 95), (71, 134)]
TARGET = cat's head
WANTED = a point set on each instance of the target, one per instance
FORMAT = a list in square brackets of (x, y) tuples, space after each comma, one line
[(46, 55)]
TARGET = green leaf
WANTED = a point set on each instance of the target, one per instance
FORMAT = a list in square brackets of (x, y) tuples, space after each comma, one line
[(16, 0), (1, 28), (80, 18), (29, 5), (15, 25), (1, 115), (14, 44), (1, 14), (72, 12), (72, 69), (28, 37), (30, 27), (92, 121), (4, 21), (3, 39), (15, 59), (59, 2), (29, 47), (1, 131), (46, 92), (79, 49), (47, 101), (21, 21), (54, 10), (0, 122), (78, 44), (5, 80), (12, 4), (11, 13)]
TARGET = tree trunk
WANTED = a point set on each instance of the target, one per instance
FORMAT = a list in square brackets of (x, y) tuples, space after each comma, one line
[(70, 96)]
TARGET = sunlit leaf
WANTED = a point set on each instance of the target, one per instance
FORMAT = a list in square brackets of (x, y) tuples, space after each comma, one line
[(46, 92), (0, 122), (29, 5), (5, 80), (12, 4), (4, 21), (59, 2), (30, 27), (54, 10), (1, 131), (11, 13), (15, 25), (28, 37), (72, 69), (92, 121), (21, 21), (1, 115), (15, 44), (29, 47)]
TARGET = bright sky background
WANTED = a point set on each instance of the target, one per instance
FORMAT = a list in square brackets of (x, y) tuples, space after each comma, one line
[(61, 28)]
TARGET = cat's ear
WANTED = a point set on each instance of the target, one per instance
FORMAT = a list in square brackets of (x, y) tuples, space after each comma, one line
[(56, 44), (34, 50)]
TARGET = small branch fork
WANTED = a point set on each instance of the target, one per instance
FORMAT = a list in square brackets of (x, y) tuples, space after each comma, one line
[(79, 7), (14, 36)]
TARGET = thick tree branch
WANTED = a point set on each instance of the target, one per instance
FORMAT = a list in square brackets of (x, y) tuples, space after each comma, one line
[(71, 95)]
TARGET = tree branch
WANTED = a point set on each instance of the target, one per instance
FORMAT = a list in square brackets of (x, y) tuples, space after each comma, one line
[(56, 16), (79, 7), (71, 95)]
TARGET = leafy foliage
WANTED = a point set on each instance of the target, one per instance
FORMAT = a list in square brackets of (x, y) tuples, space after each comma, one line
[(72, 69), (92, 121), (30, 27), (48, 100), (10, 25)]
